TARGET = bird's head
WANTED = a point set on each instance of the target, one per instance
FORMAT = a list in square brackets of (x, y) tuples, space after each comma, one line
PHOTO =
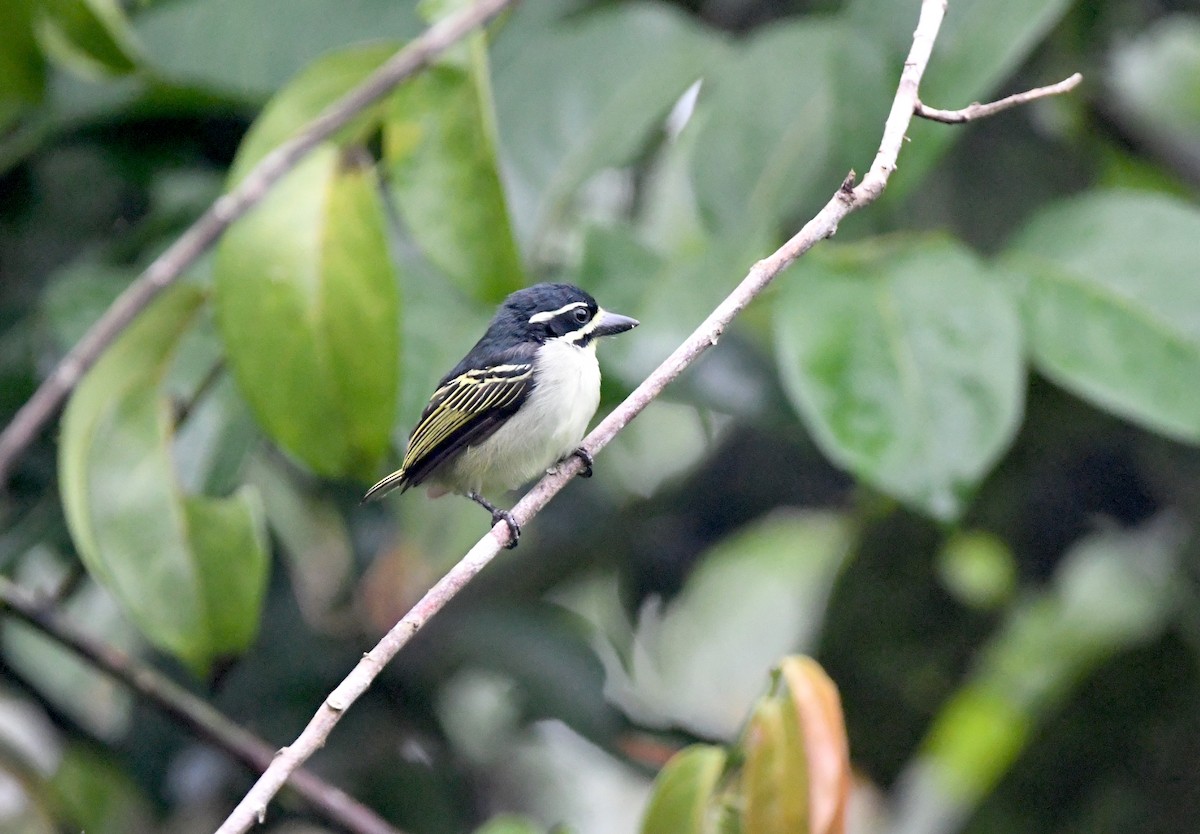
[(546, 312)]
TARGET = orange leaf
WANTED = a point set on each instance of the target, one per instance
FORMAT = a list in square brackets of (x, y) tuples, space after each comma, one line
[(819, 708)]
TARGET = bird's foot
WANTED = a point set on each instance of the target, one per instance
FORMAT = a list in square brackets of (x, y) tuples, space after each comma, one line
[(499, 515), (514, 529), (585, 456)]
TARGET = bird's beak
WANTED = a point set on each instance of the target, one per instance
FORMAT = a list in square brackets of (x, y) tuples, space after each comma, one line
[(608, 324)]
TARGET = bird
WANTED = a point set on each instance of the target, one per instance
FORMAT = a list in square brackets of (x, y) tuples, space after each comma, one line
[(518, 403)]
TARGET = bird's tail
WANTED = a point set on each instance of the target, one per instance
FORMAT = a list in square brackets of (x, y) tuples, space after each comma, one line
[(398, 478)]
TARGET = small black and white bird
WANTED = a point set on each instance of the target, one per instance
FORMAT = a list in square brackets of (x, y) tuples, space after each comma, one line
[(518, 402)]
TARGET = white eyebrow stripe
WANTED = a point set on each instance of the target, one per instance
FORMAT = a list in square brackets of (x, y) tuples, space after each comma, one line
[(538, 318)]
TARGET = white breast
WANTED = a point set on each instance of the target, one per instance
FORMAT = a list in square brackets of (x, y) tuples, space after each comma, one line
[(548, 427)]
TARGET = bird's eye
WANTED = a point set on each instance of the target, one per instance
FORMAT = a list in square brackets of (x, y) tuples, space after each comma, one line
[(582, 314)]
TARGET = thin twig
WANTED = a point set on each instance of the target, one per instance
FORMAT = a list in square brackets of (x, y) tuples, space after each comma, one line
[(982, 111), (202, 719), (848, 198), (168, 266)]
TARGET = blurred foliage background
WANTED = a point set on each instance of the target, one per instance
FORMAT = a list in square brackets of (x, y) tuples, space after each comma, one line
[(951, 454)]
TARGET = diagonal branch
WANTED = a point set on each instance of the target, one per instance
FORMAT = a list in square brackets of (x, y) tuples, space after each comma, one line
[(980, 111), (848, 198), (171, 264), (202, 719)]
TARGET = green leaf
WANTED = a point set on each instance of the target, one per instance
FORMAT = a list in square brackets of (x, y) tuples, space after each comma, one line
[(978, 569), (305, 96), (681, 802), (700, 663), (307, 276), (307, 303), (1157, 75), (904, 360), (1112, 304), (774, 783), (439, 145), (564, 114), (249, 48), (190, 571), (92, 792), (89, 37), (976, 738), (313, 537), (1112, 591), (79, 294), (677, 296), (769, 144), (22, 69), (438, 330), (509, 825), (615, 265), (981, 43)]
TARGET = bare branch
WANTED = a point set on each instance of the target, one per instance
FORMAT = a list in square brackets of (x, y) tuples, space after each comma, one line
[(202, 719), (981, 111), (202, 234)]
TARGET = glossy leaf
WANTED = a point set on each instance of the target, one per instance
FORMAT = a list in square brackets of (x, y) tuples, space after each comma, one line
[(308, 308), (682, 800), (774, 786), (586, 93), (816, 702), (439, 145), (1112, 304), (90, 37), (213, 445), (768, 122), (904, 359), (305, 96), (980, 44), (250, 48), (190, 571)]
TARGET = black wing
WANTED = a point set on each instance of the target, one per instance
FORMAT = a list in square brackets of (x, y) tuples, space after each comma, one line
[(465, 410)]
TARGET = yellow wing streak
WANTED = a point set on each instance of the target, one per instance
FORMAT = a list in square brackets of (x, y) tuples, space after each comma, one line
[(463, 399)]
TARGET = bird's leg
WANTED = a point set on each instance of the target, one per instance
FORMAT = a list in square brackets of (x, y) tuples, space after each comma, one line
[(585, 456), (499, 515)]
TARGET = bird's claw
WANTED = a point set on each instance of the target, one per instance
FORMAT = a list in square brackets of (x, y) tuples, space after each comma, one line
[(499, 515), (514, 529), (585, 456)]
